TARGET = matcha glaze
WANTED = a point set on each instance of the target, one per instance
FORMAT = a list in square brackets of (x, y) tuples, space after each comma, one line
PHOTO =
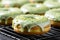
[(30, 21)]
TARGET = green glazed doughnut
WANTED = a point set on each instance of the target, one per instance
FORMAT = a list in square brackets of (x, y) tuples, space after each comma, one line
[(6, 16), (30, 24), (34, 8), (54, 16), (13, 3), (52, 3), (17, 3)]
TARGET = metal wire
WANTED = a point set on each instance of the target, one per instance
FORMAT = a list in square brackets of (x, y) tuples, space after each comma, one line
[(8, 31)]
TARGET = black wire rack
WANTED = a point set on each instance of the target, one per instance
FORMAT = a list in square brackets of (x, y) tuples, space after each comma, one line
[(8, 31)]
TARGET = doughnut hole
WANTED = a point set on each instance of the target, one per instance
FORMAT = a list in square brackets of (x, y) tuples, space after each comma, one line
[(9, 21), (40, 1), (17, 28), (27, 13), (16, 5), (42, 14)]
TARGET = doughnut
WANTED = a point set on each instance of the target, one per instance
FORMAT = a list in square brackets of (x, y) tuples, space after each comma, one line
[(13, 3), (37, 1), (52, 3), (17, 3), (31, 24), (6, 16), (34, 8), (54, 16)]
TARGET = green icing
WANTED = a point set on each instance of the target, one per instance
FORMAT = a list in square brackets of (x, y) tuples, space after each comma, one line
[(52, 3), (14, 13), (32, 9), (14, 2), (55, 13), (3, 14), (32, 18), (30, 21), (10, 13)]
